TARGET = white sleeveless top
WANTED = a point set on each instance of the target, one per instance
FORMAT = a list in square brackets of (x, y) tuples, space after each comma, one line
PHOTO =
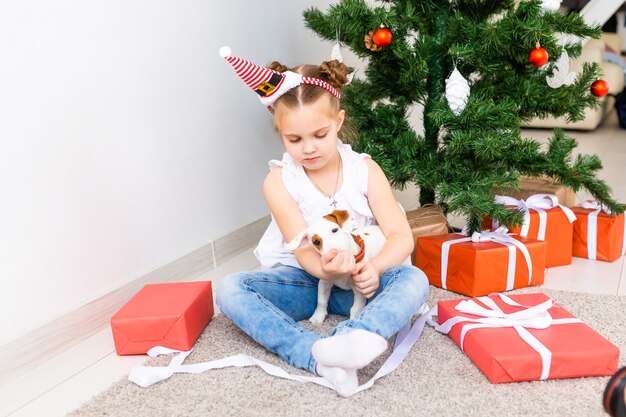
[(352, 196)]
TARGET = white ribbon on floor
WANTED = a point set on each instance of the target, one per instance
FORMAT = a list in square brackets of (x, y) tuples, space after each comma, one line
[(498, 236), (532, 317), (144, 376), (592, 227), (540, 203)]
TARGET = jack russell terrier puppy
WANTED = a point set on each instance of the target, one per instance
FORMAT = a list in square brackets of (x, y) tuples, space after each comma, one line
[(335, 231)]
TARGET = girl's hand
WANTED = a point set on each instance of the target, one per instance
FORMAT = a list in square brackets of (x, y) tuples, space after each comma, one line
[(366, 279), (338, 263)]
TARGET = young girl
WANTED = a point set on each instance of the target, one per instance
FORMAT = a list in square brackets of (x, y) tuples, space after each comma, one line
[(317, 175)]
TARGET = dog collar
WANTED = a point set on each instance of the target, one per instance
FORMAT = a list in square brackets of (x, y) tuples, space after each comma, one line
[(359, 241)]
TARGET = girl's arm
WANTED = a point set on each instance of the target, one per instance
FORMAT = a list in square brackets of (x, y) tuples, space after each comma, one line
[(290, 221), (391, 219)]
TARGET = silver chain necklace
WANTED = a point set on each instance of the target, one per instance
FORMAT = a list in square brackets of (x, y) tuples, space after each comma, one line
[(331, 197)]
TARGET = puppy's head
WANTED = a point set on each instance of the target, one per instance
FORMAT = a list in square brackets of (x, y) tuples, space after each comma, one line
[(330, 232)]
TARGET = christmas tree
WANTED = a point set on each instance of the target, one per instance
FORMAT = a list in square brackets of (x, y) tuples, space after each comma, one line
[(479, 68)]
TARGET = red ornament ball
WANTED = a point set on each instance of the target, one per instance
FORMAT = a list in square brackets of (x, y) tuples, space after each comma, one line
[(382, 37), (538, 56), (599, 88)]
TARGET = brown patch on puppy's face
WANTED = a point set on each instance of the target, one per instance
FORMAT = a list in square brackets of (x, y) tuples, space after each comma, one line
[(338, 216), (317, 242)]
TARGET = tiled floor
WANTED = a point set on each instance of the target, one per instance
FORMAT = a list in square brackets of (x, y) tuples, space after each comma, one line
[(63, 383)]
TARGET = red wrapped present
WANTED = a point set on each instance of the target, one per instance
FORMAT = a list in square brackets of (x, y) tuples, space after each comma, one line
[(484, 263), (598, 235), (525, 337), (546, 219), (171, 315)]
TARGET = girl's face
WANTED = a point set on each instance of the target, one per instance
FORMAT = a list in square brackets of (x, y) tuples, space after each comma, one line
[(310, 132)]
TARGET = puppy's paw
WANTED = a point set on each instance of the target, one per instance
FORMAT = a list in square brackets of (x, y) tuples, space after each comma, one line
[(318, 317)]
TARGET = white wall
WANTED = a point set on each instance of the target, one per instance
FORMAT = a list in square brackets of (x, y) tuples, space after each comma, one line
[(126, 141)]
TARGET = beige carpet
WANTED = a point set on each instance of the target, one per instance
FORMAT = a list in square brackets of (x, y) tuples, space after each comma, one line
[(436, 379)]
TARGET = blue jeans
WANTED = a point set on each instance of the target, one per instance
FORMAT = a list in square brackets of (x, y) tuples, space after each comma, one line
[(267, 305)]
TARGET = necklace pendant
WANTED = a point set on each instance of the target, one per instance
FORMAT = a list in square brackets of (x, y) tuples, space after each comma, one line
[(333, 202)]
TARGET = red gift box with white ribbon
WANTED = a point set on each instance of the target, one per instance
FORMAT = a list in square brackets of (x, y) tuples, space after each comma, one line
[(546, 219), (169, 314), (481, 264), (598, 235), (525, 337)]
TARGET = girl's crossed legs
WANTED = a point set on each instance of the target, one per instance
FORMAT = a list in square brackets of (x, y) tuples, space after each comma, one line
[(267, 304)]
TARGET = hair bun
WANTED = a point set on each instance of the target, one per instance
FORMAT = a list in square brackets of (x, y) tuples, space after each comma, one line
[(336, 72), (277, 66)]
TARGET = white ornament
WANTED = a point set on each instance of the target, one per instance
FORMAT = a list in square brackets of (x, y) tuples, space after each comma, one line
[(457, 92), (550, 5), (336, 52), (561, 74)]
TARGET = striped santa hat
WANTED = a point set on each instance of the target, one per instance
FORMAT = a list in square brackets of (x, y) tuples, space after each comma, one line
[(270, 84)]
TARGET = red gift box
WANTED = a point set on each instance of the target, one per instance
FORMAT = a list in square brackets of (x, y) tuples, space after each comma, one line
[(456, 263), (535, 339), (171, 315), (545, 219), (597, 234)]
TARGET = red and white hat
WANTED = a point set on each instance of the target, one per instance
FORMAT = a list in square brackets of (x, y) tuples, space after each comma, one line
[(270, 84)]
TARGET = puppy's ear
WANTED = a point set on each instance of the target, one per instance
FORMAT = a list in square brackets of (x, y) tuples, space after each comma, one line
[(299, 241), (342, 218)]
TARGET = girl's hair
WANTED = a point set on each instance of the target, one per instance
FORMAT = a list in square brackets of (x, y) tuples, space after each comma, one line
[(334, 73)]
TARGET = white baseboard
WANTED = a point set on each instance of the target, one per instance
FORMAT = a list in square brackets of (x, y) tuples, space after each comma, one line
[(39, 345)]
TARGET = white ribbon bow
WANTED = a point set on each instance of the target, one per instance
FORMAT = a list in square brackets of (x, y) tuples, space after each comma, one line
[(498, 236), (592, 227), (144, 376), (531, 317), (595, 205), (540, 203)]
